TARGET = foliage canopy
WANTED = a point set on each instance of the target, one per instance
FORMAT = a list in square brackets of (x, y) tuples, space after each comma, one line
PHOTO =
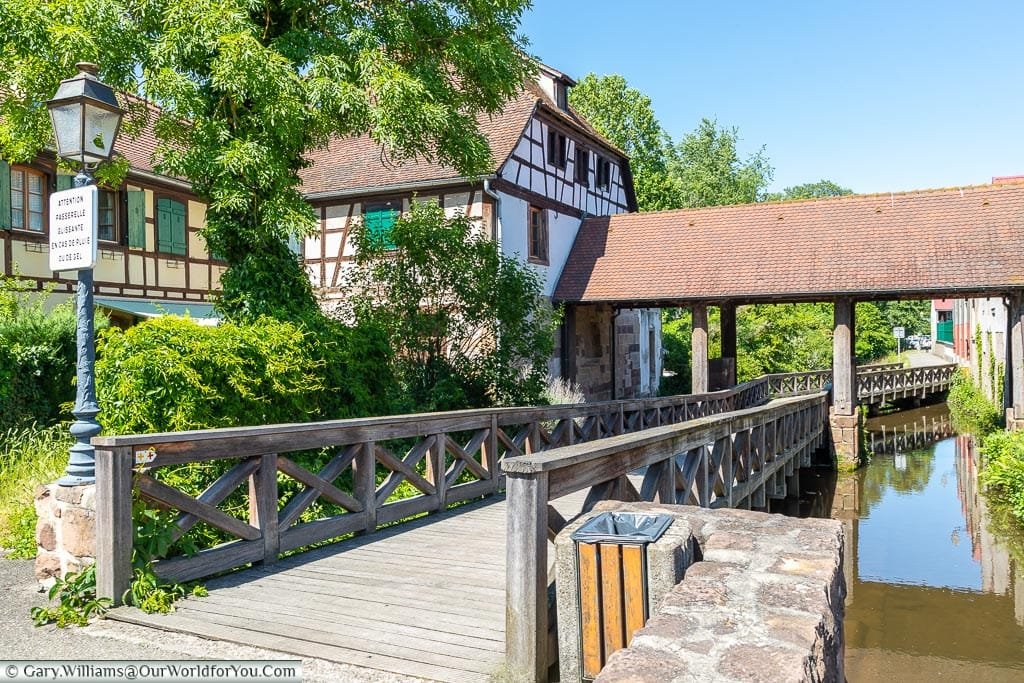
[(247, 89), (626, 117)]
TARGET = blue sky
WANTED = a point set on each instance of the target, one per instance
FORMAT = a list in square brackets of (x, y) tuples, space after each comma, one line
[(877, 96)]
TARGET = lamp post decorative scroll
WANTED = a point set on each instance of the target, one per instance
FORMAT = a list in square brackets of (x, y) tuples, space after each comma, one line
[(86, 119)]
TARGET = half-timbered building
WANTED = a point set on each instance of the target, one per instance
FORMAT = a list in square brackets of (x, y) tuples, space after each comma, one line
[(151, 258), (550, 170)]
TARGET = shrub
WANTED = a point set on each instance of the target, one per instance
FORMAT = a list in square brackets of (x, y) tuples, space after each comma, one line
[(470, 325), (1003, 471), (172, 374), (971, 411), (37, 355)]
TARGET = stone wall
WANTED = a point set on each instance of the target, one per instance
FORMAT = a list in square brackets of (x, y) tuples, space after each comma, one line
[(763, 601), (637, 345), (65, 530)]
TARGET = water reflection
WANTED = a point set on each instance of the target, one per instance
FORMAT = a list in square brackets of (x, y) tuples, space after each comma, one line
[(933, 594)]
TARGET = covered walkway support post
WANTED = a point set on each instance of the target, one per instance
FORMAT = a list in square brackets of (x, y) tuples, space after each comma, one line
[(699, 349), (1015, 361), (844, 418)]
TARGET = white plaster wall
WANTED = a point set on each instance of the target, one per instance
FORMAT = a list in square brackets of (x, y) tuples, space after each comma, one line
[(562, 229), (512, 217)]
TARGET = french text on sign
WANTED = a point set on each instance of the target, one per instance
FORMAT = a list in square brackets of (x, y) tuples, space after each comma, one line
[(73, 221)]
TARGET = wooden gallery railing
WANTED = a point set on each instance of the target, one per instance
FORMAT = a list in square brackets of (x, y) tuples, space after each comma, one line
[(796, 383), (731, 460), (878, 386), (453, 457)]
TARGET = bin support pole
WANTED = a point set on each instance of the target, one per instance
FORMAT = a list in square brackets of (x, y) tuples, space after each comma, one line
[(526, 582)]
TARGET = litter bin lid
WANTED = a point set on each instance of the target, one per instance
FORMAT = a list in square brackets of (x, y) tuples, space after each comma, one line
[(629, 528)]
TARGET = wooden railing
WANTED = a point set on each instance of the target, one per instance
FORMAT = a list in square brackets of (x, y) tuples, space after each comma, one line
[(877, 386), (735, 459), (874, 382), (438, 458)]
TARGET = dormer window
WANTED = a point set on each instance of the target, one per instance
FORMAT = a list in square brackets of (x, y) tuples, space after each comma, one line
[(562, 95), (556, 148)]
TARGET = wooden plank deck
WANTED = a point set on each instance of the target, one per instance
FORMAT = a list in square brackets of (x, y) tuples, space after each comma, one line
[(425, 598)]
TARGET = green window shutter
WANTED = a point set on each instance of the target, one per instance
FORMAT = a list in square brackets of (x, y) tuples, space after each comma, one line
[(5, 196), (163, 225), (378, 224), (136, 219), (64, 182), (178, 232)]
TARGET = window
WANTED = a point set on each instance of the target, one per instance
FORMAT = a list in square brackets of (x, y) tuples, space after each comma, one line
[(538, 236), (582, 166), (107, 210), (378, 219), (170, 226), (604, 172), (556, 148), (27, 199), (561, 96)]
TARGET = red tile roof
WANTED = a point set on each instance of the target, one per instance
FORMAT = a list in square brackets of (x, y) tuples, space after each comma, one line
[(358, 164), (924, 242), (355, 164)]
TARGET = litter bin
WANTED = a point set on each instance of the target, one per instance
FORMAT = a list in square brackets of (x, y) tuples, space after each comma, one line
[(611, 559)]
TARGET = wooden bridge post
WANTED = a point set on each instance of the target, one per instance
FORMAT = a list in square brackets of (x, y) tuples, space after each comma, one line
[(844, 418), (113, 522), (699, 346), (526, 582), (1015, 362)]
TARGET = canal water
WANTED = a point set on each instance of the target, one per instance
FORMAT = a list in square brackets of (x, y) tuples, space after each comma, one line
[(934, 591)]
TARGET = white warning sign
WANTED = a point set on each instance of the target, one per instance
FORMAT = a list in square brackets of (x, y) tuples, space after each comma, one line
[(73, 229)]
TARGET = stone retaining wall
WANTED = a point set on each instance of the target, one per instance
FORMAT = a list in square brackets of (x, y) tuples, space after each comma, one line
[(65, 530), (763, 602)]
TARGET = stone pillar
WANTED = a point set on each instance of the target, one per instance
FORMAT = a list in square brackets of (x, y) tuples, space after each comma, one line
[(1015, 362), (728, 327), (844, 417), (699, 349), (65, 530)]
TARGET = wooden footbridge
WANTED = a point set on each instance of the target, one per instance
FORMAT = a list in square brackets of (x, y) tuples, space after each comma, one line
[(444, 519)]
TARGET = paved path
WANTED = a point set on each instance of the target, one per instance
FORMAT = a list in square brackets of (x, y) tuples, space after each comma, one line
[(106, 639), (918, 359)]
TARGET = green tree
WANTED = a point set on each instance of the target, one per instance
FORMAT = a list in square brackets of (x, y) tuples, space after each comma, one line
[(471, 323), (710, 172), (626, 117), (819, 190), (247, 89), (913, 316), (873, 337)]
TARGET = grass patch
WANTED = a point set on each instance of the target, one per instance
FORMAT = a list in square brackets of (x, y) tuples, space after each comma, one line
[(29, 456)]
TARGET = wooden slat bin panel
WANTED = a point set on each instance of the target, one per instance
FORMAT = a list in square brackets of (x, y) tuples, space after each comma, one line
[(613, 600)]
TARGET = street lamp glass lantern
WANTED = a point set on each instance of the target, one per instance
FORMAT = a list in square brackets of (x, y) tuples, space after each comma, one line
[(85, 117)]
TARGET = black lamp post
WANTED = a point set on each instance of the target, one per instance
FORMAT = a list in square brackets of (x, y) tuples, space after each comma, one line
[(86, 118)]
